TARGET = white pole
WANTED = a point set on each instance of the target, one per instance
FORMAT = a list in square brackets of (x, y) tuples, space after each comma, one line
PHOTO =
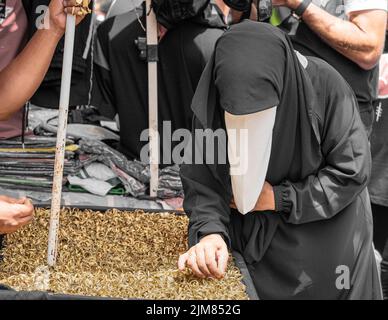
[(152, 41), (61, 140)]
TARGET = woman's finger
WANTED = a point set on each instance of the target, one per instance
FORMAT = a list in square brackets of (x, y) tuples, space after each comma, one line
[(201, 261), (222, 260), (211, 263), (182, 261), (192, 264)]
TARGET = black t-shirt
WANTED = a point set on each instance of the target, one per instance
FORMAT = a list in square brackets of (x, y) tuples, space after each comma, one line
[(363, 82), (121, 77), (48, 93), (378, 186)]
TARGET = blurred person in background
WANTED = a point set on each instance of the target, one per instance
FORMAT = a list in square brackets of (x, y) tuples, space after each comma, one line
[(47, 95), (119, 7), (378, 187), (348, 34), (23, 66), (18, 27), (101, 8), (121, 76)]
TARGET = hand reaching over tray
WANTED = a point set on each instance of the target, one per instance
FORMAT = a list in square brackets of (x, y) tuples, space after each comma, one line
[(14, 213), (208, 259)]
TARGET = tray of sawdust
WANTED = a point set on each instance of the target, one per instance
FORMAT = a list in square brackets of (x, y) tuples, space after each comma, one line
[(112, 254)]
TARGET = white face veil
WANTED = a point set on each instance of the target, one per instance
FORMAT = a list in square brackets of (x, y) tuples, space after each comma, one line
[(249, 152)]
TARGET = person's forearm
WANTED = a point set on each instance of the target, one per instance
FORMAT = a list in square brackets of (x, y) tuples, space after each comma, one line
[(20, 80), (224, 8), (364, 47)]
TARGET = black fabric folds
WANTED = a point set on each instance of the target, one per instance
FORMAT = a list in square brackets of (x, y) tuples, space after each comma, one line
[(239, 5), (172, 12)]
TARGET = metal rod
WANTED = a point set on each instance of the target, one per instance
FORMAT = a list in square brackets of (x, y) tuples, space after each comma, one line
[(61, 140), (152, 40)]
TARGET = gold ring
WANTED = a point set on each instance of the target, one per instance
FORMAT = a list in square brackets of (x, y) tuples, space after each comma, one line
[(79, 2), (87, 10)]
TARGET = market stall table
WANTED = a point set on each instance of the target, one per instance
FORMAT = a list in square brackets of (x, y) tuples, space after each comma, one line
[(113, 254)]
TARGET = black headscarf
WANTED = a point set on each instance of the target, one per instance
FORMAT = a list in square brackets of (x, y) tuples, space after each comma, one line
[(264, 8), (169, 13), (254, 68)]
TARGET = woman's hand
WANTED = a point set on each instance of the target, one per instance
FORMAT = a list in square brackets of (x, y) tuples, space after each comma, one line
[(208, 259), (266, 201), (14, 214), (58, 10)]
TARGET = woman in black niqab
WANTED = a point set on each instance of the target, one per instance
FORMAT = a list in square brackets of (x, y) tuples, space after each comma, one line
[(317, 242)]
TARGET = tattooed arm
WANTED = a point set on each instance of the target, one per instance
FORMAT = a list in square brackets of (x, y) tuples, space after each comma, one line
[(361, 39)]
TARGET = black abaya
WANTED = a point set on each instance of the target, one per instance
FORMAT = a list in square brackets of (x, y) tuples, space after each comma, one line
[(319, 167)]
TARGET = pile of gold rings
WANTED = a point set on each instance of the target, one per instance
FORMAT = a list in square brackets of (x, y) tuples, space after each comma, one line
[(113, 254), (82, 8)]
